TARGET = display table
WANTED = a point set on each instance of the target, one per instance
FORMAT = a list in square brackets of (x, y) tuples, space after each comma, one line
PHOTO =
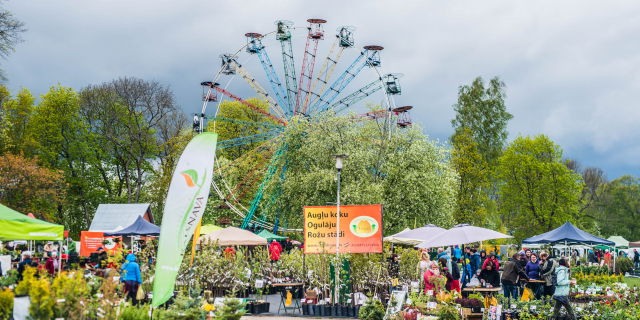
[(295, 289)]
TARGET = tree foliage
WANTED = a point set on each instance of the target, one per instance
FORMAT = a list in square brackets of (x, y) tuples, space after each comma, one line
[(621, 208), (472, 169), (482, 109), (402, 169), (10, 35), (537, 190), (26, 187)]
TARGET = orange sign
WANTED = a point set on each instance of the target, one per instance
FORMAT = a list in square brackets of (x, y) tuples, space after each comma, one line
[(90, 241), (360, 229)]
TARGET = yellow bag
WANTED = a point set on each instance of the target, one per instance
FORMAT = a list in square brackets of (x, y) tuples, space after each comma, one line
[(394, 282), (140, 293), (288, 302), (527, 294)]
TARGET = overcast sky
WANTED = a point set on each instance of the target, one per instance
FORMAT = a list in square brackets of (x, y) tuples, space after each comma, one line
[(572, 68)]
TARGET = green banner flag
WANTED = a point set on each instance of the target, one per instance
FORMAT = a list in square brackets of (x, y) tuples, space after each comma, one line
[(185, 203)]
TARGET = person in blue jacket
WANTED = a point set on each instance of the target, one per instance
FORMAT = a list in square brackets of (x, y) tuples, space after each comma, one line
[(457, 253), (130, 274)]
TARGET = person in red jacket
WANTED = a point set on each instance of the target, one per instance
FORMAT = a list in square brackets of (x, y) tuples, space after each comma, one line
[(52, 264), (274, 250)]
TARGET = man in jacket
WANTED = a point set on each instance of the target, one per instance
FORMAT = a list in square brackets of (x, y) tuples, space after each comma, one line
[(562, 290), (131, 276), (288, 245), (511, 276), (636, 257), (274, 251), (25, 263), (475, 261), (52, 264), (591, 258), (455, 274), (546, 273), (102, 257)]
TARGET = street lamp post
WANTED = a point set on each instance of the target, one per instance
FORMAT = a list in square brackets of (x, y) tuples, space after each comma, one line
[(339, 161)]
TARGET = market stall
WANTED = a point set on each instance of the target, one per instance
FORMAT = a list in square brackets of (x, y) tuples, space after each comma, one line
[(270, 236), (232, 236)]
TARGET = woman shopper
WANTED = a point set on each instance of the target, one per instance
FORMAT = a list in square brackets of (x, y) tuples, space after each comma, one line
[(446, 273), (394, 269), (430, 277), (492, 258), (423, 264), (131, 276), (547, 267), (532, 268), (489, 276), (562, 290)]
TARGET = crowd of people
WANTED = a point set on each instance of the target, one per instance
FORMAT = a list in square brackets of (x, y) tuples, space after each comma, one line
[(543, 275)]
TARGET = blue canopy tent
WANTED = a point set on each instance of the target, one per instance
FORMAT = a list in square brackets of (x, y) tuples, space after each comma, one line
[(567, 234), (140, 227)]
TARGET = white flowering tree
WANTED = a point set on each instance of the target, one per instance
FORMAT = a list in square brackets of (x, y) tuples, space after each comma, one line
[(402, 169)]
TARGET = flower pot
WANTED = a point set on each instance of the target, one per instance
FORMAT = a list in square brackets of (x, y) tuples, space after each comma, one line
[(324, 311), (305, 310), (350, 311), (356, 312), (311, 309), (476, 309), (339, 311), (266, 307), (333, 310), (317, 311), (249, 307)]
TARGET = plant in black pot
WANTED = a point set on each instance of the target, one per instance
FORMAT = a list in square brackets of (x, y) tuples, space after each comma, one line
[(370, 311)]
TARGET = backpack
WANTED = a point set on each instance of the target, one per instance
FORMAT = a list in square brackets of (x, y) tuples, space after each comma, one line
[(554, 276)]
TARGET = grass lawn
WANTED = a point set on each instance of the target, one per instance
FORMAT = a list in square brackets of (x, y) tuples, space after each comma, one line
[(632, 282)]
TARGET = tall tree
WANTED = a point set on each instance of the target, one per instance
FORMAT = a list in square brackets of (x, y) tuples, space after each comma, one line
[(128, 113), (10, 35), (472, 169), (482, 109), (17, 113), (63, 141), (537, 190), (621, 208)]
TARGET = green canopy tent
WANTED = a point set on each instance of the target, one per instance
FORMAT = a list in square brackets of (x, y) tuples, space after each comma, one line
[(206, 229), (17, 226), (270, 236), (620, 242)]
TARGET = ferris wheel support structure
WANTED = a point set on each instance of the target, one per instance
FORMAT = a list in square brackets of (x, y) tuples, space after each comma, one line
[(284, 36), (316, 33)]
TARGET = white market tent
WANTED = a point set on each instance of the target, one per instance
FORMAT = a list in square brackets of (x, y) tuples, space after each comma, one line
[(401, 240)]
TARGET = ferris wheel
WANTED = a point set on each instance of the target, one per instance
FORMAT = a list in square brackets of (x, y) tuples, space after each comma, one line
[(309, 93)]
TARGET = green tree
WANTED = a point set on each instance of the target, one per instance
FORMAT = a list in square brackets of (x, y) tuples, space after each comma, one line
[(10, 35), (621, 208), (403, 170), (537, 190), (17, 113), (64, 141), (482, 109), (472, 191)]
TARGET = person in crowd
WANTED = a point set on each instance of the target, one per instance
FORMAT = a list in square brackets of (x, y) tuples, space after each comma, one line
[(423, 264), (274, 251), (131, 276), (562, 290), (26, 262), (574, 255), (599, 256), (528, 253), (492, 257), (430, 277), (636, 258), (52, 264), (455, 275), (48, 248), (483, 258), (445, 272), (511, 277), (547, 267), (475, 260), (457, 253), (394, 268), (443, 254), (102, 257), (522, 259), (591, 258), (489, 276), (288, 245), (532, 269), (72, 245), (607, 258)]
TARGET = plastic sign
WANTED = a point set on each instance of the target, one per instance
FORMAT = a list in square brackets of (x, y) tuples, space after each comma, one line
[(360, 229)]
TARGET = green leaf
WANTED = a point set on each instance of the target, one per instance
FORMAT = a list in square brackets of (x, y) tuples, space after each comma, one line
[(192, 174)]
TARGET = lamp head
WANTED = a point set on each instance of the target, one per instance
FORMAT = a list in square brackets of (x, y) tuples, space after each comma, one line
[(339, 160)]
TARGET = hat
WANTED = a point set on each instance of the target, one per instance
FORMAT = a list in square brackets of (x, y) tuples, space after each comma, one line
[(100, 248)]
